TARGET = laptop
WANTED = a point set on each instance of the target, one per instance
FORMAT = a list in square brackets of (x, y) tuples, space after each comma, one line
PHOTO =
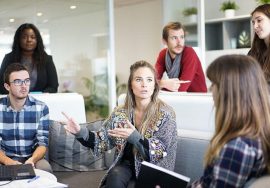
[(16, 172), (152, 176)]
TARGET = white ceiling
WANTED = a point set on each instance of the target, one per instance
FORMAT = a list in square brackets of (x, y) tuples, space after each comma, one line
[(119, 3), (23, 10)]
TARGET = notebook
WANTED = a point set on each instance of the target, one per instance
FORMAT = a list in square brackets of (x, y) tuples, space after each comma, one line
[(152, 175), (15, 172)]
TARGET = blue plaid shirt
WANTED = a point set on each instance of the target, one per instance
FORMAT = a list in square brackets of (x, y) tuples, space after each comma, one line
[(22, 131), (240, 160)]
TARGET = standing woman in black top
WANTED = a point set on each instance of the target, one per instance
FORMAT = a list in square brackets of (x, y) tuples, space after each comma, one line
[(28, 49)]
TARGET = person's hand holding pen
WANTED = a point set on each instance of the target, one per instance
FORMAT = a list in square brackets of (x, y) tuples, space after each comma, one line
[(33, 179), (71, 126), (173, 84)]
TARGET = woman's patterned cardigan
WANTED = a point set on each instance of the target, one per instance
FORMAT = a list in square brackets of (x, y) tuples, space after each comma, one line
[(161, 135)]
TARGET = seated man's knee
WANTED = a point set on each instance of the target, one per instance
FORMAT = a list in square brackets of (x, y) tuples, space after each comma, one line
[(43, 164)]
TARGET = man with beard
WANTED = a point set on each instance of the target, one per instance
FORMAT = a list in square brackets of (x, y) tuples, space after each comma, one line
[(24, 122), (180, 62)]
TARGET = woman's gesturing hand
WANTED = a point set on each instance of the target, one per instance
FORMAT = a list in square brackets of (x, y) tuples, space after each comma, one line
[(71, 126), (122, 131)]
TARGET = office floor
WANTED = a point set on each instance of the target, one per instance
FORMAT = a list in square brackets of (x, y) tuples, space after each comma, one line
[(80, 179)]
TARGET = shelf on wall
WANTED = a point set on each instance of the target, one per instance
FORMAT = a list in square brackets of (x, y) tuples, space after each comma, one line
[(235, 18), (221, 34), (191, 34)]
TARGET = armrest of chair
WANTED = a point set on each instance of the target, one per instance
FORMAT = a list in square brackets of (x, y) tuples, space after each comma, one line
[(260, 182), (191, 147)]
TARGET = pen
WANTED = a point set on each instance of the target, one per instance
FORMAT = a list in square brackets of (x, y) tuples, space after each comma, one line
[(184, 81), (33, 179)]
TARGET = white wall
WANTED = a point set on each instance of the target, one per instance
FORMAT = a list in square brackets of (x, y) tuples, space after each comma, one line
[(245, 8), (173, 9), (138, 31)]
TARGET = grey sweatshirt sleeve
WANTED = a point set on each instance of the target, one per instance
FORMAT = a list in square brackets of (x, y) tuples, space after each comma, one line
[(140, 143)]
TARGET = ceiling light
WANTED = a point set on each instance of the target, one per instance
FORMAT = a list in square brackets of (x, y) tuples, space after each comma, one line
[(39, 14), (73, 7), (11, 20)]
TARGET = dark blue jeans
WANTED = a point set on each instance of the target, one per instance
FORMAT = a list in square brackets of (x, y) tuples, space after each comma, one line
[(120, 176)]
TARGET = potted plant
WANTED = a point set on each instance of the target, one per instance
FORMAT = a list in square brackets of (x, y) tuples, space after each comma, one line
[(261, 2), (229, 7), (191, 14), (244, 40)]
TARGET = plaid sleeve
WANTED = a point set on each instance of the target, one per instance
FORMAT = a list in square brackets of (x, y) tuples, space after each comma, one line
[(234, 164), (43, 126)]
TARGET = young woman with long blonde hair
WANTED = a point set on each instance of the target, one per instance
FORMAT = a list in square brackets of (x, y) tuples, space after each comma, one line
[(143, 129)]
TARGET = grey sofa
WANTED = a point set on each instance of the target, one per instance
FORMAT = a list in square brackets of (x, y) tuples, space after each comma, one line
[(189, 162), (195, 123), (189, 157)]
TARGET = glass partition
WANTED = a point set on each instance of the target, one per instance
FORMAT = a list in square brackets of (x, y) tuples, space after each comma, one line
[(76, 34)]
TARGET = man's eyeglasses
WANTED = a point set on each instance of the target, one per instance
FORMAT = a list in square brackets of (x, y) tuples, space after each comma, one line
[(19, 82)]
